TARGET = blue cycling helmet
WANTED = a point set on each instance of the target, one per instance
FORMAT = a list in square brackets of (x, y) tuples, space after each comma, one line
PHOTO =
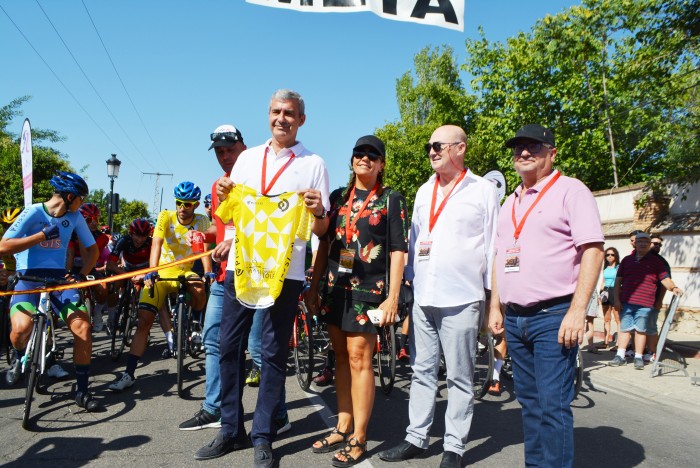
[(187, 191), (207, 199), (66, 182)]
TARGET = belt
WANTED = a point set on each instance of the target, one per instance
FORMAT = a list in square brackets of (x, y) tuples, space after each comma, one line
[(529, 310)]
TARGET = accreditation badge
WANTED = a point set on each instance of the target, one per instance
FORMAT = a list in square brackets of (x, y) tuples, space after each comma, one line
[(424, 250), (512, 259), (347, 258)]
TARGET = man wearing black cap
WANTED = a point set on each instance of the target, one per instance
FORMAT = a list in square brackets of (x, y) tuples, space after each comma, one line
[(450, 256), (227, 142), (549, 250)]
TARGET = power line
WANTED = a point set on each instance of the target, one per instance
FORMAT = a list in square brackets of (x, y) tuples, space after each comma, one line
[(60, 81), (95, 90), (124, 86)]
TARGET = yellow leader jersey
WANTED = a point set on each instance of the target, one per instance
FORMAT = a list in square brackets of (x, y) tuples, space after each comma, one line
[(266, 227), (173, 234)]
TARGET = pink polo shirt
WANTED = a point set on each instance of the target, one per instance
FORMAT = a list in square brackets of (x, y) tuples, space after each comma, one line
[(565, 218)]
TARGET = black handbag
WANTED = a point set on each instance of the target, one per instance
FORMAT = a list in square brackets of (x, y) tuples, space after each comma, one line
[(406, 291)]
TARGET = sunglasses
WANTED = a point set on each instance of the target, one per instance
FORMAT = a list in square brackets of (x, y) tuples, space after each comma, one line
[(437, 146), (89, 219), (532, 148), (207, 205), (657, 243), (184, 203), (372, 156), (610, 255), (231, 136)]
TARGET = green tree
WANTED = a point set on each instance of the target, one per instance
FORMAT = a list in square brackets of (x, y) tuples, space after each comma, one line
[(431, 96), (46, 160), (128, 210)]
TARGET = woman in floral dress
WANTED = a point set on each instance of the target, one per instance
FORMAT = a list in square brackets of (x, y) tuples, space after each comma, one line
[(354, 252)]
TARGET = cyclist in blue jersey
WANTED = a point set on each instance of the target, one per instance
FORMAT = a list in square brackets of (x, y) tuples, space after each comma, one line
[(39, 238)]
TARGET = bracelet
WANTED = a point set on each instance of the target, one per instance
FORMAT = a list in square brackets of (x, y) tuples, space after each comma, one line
[(322, 215)]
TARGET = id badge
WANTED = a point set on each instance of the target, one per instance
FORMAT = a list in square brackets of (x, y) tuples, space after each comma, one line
[(512, 259), (347, 258), (424, 250)]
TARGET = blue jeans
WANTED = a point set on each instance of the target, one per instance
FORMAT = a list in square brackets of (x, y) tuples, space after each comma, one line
[(254, 348), (543, 374), (210, 337)]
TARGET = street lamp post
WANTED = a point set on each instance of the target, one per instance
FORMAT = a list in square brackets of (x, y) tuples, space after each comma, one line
[(112, 172)]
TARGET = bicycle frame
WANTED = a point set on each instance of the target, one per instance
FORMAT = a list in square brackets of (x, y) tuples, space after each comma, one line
[(43, 310)]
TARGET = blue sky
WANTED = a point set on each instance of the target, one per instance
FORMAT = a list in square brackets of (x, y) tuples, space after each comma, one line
[(191, 66)]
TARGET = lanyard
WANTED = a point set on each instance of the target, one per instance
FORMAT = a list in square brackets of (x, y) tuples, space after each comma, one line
[(267, 189), (519, 227), (350, 225), (433, 214)]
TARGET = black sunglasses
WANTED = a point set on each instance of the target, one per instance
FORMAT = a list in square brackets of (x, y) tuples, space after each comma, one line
[(231, 136), (657, 243), (184, 203), (437, 146), (372, 156), (532, 148)]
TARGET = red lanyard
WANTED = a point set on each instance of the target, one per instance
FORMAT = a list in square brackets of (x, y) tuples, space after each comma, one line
[(350, 225), (433, 214), (519, 227), (265, 190)]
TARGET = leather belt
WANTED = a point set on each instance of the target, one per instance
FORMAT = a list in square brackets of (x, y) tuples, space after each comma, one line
[(529, 310)]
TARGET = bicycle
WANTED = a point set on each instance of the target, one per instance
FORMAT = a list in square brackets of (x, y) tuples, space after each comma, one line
[(386, 357), (483, 364), (182, 322), (125, 320), (5, 343), (303, 345), (42, 341)]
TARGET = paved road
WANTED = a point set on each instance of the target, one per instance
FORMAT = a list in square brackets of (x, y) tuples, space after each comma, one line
[(139, 427)]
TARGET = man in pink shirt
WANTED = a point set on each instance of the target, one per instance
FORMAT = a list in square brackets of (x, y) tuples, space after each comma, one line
[(549, 250)]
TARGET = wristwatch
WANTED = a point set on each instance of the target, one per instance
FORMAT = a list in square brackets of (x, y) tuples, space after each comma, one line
[(322, 215)]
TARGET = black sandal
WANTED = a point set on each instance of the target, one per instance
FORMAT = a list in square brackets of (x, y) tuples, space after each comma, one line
[(349, 459), (326, 447)]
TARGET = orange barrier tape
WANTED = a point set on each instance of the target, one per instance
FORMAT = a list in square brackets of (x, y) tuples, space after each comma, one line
[(111, 279)]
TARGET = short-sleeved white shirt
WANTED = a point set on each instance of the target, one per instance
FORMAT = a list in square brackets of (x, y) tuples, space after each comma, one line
[(307, 170)]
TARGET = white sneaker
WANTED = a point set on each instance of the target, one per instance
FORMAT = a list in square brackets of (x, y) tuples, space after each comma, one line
[(56, 372), (125, 381)]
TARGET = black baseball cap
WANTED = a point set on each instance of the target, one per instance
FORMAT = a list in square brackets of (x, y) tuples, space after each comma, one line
[(532, 132), (371, 141)]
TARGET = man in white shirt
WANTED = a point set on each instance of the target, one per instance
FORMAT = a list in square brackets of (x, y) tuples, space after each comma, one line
[(449, 260), (282, 164)]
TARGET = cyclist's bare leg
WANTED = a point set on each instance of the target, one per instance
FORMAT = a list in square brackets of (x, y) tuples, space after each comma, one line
[(21, 329), (196, 290), (79, 324), (138, 342)]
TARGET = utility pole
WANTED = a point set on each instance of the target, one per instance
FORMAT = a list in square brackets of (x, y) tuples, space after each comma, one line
[(156, 202)]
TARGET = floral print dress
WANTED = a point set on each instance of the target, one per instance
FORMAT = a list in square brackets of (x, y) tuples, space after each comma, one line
[(349, 295)]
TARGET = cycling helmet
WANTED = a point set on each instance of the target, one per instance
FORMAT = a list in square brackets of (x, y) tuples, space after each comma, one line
[(90, 210), (105, 230), (187, 191), (140, 227), (66, 182), (9, 215), (116, 238), (207, 199)]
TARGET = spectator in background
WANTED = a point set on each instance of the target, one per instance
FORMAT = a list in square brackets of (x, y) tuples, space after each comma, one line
[(635, 295), (607, 289), (652, 327)]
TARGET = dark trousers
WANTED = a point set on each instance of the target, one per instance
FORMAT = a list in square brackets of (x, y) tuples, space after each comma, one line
[(236, 321)]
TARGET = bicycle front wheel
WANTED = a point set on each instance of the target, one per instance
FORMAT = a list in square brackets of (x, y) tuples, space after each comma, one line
[(119, 331), (303, 347), (578, 373), (33, 368), (483, 364), (386, 358), (181, 343)]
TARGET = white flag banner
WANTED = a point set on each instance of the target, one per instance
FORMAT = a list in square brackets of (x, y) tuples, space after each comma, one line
[(25, 150), (443, 13)]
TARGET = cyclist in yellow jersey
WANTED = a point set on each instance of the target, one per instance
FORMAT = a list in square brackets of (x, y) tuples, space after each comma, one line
[(169, 244)]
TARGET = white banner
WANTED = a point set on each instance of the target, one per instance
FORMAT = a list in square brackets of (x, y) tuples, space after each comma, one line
[(443, 13), (25, 149)]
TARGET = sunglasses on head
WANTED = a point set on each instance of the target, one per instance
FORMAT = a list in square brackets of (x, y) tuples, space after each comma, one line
[(230, 136), (186, 204), (437, 146), (371, 155)]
